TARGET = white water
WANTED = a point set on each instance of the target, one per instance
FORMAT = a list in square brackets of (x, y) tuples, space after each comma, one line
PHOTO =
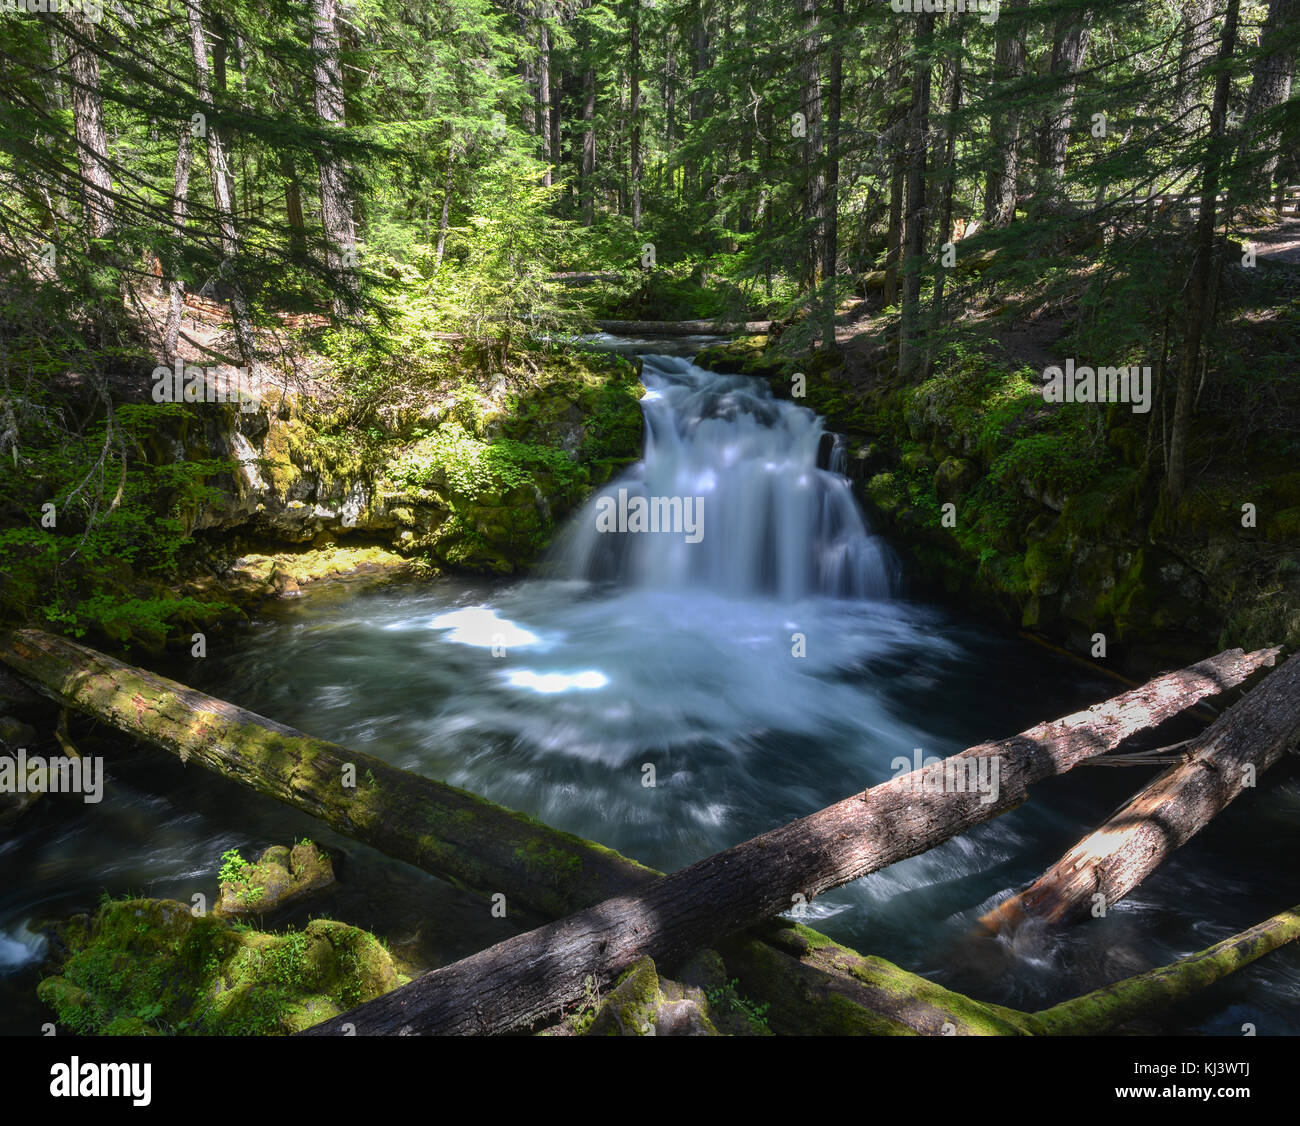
[(771, 521), (552, 697)]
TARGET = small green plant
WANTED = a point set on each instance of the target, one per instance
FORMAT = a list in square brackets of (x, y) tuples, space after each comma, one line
[(236, 871), (728, 996), (234, 868), (590, 1006)]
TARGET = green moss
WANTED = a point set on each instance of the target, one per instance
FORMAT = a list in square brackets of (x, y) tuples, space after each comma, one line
[(630, 1007), (145, 963)]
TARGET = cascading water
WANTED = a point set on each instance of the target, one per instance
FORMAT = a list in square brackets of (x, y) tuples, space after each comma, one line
[(771, 520), (669, 699)]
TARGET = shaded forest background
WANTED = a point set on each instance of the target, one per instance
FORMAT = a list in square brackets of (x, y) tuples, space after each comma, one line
[(370, 182)]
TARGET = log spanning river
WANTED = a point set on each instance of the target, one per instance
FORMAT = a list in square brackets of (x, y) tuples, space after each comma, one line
[(670, 694)]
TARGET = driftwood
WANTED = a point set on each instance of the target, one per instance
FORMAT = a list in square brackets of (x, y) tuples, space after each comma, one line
[(1220, 763), (529, 977), (681, 328)]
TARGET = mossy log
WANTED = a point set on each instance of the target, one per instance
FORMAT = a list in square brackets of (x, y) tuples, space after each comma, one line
[(449, 832), (527, 978), (475, 843), (1221, 762), (680, 328), (1104, 1008)]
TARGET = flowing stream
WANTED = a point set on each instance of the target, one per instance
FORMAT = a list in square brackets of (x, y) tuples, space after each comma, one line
[(754, 668)]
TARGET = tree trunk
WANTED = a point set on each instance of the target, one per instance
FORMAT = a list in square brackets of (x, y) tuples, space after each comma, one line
[(544, 88), (587, 202), (444, 217), (1202, 265), (88, 126), (293, 207), (335, 206), (229, 239), (1270, 86), (529, 76), (527, 978), (1240, 745), (949, 182), (180, 195), (814, 199), (1068, 49), (698, 174), (1196, 46), (831, 236), (1004, 128), (914, 209), (634, 110)]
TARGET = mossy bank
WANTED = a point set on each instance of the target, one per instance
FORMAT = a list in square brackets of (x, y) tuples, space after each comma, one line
[(472, 467), (1051, 516)]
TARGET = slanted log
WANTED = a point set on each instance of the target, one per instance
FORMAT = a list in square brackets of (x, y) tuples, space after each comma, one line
[(1220, 763), (445, 831), (525, 979), (1103, 1009)]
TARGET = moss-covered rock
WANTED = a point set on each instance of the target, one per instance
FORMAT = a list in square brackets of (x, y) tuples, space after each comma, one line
[(279, 877), (150, 965)]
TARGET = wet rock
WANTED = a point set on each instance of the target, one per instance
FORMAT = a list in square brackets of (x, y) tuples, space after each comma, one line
[(279, 877)]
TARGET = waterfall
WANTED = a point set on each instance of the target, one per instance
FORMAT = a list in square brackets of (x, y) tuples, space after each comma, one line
[(764, 480)]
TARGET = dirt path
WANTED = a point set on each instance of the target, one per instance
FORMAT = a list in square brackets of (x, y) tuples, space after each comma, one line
[(1278, 243)]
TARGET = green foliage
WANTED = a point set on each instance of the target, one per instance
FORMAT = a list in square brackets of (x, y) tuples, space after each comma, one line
[(728, 996), (148, 966), (121, 514), (476, 470)]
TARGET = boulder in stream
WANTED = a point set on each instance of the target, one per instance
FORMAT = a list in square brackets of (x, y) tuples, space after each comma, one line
[(281, 875)]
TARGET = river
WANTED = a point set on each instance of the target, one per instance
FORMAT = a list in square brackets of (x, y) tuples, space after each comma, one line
[(669, 694)]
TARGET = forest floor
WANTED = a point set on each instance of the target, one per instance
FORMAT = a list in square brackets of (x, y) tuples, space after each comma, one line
[(1279, 242)]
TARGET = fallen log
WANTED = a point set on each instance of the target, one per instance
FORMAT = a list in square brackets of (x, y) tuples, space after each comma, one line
[(896, 1002), (584, 277), (1219, 764), (681, 328), (448, 832), (1112, 1005), (529, 977)]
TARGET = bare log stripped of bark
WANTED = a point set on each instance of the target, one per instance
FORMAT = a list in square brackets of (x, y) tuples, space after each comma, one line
[(1221, 762)]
